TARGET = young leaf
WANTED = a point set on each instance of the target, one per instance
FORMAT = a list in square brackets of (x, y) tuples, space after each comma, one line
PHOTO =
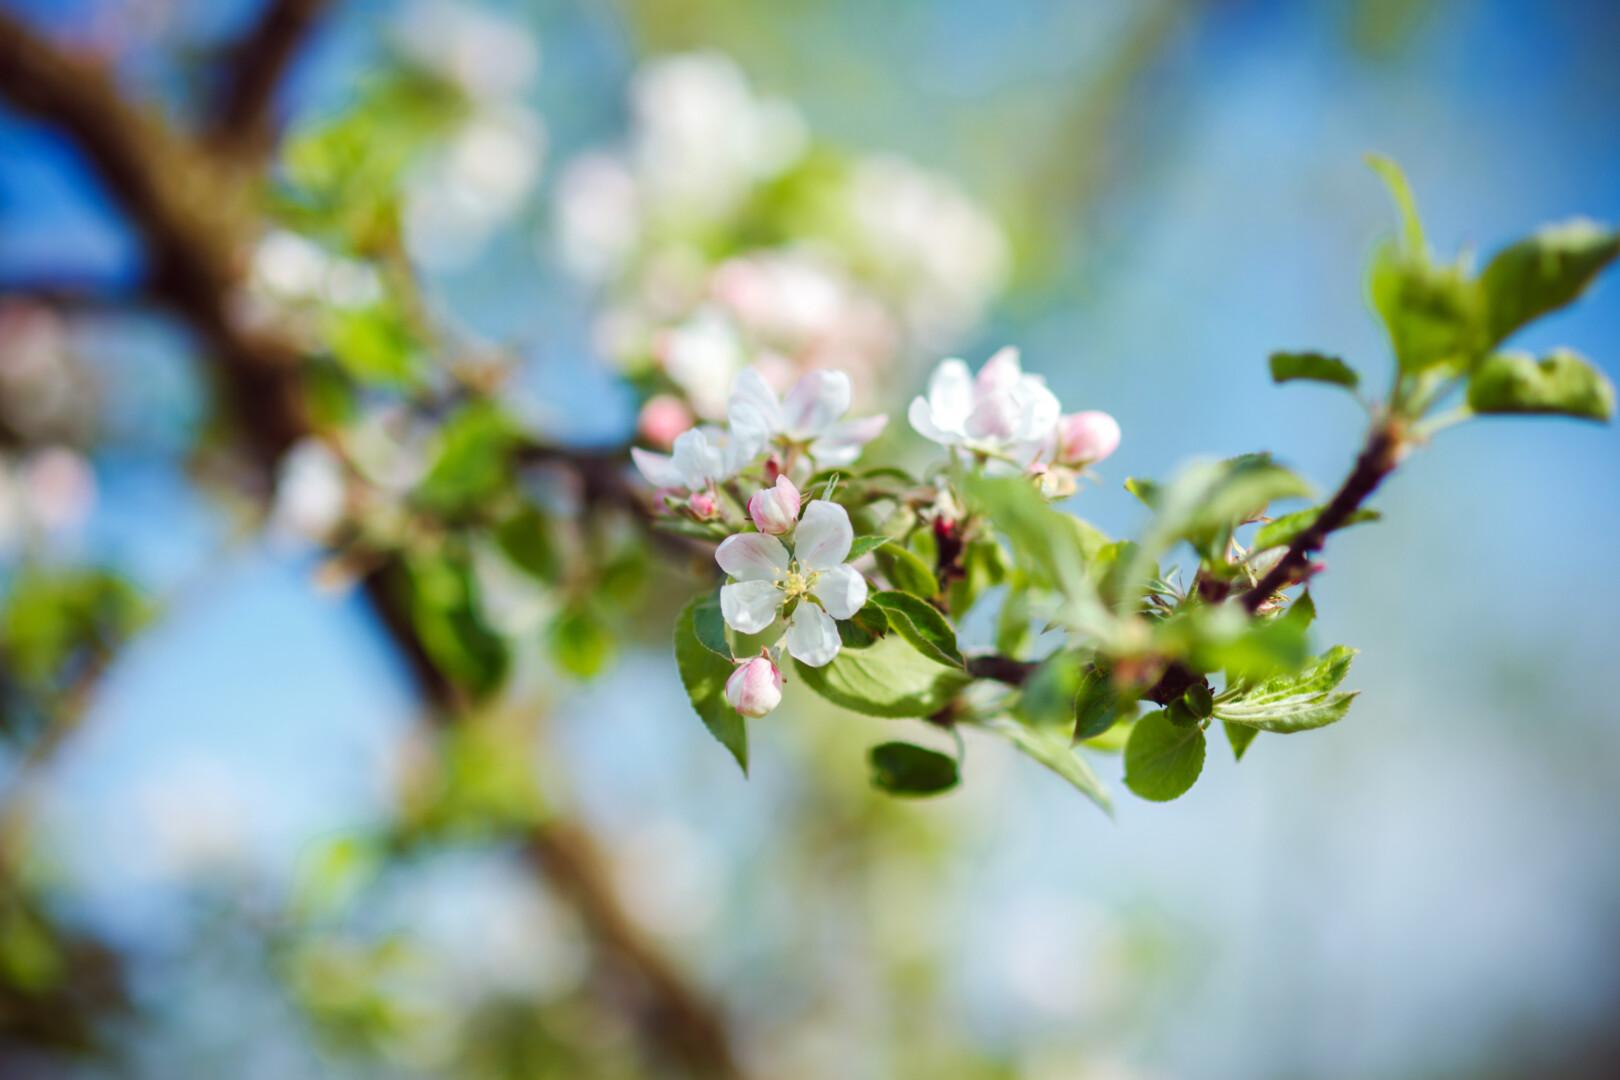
[(1434, 314), (903, 769), (1051, 748), (1297, 702), (1096, 705), (888, 678), (1240, 736), (921, 624), (863, 544), (1280, 532), (1563, 384), (1046, 543), (1399, 190), (1313, 366), (906, 571), (1544, 273), (1163, 759), (704, 673), (580, 643)]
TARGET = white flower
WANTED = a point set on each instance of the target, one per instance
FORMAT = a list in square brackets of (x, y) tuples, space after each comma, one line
[(811, 413), (702, 356), (311, 492), (755, 688), (775, 510), (702, 458), (1002, 412), (1084, 438), (768, 578)]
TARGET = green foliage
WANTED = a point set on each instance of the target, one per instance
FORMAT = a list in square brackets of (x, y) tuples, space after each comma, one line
[(1052, 749), (1562, 383), (1293, 702), (1314, 367), (906, 571), (1543, 273), (903, 769), (921, 624), (1163, 758), (865, 544), (471, 464), (887, 678), (446, 619), (581, 641), (1282, 531), (56, 621), (375, 345), (704, 670)]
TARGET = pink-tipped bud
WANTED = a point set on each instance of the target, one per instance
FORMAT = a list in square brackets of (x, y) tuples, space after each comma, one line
[(1084, 438), (755, 688), (704, 506), (662, 418), (775, 509)]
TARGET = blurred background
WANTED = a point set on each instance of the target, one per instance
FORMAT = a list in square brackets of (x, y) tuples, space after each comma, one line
[(1147, 196)]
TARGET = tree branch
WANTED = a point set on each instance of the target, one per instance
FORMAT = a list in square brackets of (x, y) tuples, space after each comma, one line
[(194, 217), (243, 116)]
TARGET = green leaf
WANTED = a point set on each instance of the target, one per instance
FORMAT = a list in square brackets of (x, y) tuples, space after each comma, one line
[(580, 642), (864, 544), (1296, 702), (526, 538), (1563, 384), (1399, 190), (1163, 759), (906, 571), (704, 673), (471, 462), (1046, 543), (1280, 532), (920, 623), (710, 627), (446, 617), (1147, 491), (1051, 748), (1097, 705), (1434, 314), (1047, 697), (903, 769), (1240, 736), (889, 678), (864, 627), (1544, 273), (1314, 366), (374, 345)]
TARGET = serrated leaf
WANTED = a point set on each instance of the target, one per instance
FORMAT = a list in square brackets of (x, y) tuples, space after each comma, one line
[(864, 544), (710, 627), (1543, 273), (889, 678), (1314, 367), (906, 571), (1297, 702), (1052, 749), (704, 674), (1163, 759), (903, 769), (1280, 532), (1562, 384), (920, 623)]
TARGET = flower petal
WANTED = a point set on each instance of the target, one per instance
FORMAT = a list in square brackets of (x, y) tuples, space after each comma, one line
[(698, 460), (812, 636), (842, 443), (950, 395), (815, 403), (824, 536), (659, 469), (921, 415), (750, 606), (753, 411), (841, 590), (1001, 373), (752, 557)]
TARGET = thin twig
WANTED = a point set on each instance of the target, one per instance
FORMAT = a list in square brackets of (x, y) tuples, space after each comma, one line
[(255, 67)]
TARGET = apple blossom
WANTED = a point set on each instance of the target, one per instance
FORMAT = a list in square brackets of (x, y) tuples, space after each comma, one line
[(702, 457), (755, 688), (1002, 413), (704, 506), (813, 579), (662, 420), (775, 510), (811, 414), (1084, 438)]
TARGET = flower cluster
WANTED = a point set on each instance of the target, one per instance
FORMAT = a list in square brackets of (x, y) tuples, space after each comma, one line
[(792, 566)]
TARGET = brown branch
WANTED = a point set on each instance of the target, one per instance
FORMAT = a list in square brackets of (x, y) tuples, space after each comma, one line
[(194, 216), (243, 117)]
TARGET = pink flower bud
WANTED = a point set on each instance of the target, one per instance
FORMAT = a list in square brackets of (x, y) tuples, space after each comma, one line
[(775, 510), (1086, 437), (704, 505), (662, 418), (755, 688)]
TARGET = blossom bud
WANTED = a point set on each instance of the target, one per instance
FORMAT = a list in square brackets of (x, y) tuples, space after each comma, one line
[(755, 688), (704, 506), (662, 418), (775, 510), (1086, 437)]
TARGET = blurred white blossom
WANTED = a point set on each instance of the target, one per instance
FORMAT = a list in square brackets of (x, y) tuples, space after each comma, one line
[(487, 56)]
